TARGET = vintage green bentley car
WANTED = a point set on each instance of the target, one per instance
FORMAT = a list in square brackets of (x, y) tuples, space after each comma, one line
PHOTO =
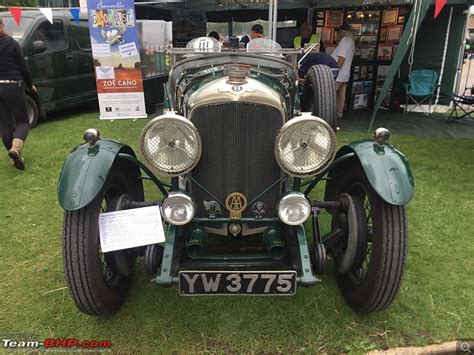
[(243, 156)]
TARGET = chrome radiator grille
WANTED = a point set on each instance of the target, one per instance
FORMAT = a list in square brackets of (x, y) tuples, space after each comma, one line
[(238, 142)]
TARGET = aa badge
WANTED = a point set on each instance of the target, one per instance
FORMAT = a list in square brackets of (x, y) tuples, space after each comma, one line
[(236, 203)]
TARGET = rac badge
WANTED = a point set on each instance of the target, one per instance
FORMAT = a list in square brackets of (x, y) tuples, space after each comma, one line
[(236, 203)]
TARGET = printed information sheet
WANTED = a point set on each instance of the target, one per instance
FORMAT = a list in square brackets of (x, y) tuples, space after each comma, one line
[(130, 228)]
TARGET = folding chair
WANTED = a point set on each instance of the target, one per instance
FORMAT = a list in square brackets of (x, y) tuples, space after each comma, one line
[(463, 102), (460, 102), (421, 89)]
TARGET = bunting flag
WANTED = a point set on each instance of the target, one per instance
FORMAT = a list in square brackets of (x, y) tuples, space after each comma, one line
[(16, 13), (439, 6), (75, 14), (48, 13)]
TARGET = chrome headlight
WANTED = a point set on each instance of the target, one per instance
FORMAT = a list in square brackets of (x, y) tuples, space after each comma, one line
[(178, 209), (294, 209), (171, 144), (305, 146)]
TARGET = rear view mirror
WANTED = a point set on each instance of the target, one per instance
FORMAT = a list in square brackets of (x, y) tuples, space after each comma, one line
[(37, 47)]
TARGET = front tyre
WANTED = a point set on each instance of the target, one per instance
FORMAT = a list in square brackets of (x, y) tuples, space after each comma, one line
[(98, 281), (374, 280)]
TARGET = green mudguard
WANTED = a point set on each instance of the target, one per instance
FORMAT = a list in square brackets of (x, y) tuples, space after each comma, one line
[(386, 169), (86, 170)]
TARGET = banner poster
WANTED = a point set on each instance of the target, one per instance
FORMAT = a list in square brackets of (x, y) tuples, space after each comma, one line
[(117, 64)]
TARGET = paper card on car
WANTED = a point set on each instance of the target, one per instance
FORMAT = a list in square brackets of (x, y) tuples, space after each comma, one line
[(130, 228), (128, 50)]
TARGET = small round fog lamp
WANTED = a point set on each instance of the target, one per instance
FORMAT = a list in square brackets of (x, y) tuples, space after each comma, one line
[(294, 209), (178, 209)]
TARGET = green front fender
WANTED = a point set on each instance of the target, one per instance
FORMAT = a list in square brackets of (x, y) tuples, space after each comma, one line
[(386, 169), (85, 172)]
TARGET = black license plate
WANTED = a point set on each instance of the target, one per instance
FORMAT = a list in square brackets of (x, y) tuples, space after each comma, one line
[(220, 283)]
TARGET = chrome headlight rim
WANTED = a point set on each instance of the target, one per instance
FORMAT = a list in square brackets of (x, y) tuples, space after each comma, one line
[(169, 199), (172, 117), (305, 117), (289, 195)]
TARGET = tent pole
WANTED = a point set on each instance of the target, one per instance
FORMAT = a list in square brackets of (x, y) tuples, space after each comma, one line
[(405, 41), (270, 18), (446, 41), (458, 80), (467, 77), (275, 20)]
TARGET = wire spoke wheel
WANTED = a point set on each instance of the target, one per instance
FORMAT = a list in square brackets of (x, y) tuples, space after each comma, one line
[(107, 273), (360, 271), (374, 279), (107, 261), (98, 281)]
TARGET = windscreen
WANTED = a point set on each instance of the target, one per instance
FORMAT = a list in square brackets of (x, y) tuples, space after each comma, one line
[(12, 29)]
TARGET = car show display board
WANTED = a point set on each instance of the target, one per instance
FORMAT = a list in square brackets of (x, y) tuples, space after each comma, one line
[(376, 33), (117, 63)]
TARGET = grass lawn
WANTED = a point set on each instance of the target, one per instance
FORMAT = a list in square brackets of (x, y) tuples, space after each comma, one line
[(435, 303)]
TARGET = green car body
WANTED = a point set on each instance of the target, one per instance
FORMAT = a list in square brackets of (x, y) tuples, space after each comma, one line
[(85, 171), (229, 112)]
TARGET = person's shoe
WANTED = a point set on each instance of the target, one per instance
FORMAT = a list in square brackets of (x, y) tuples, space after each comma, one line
[(15, 154)]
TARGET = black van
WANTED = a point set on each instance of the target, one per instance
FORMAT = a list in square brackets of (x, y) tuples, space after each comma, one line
[(60, 59)]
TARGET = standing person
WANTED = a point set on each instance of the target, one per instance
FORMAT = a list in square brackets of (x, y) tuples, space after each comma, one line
[(255, 32), (214, 34), (14, 76), (343, 54), (306, 36)]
